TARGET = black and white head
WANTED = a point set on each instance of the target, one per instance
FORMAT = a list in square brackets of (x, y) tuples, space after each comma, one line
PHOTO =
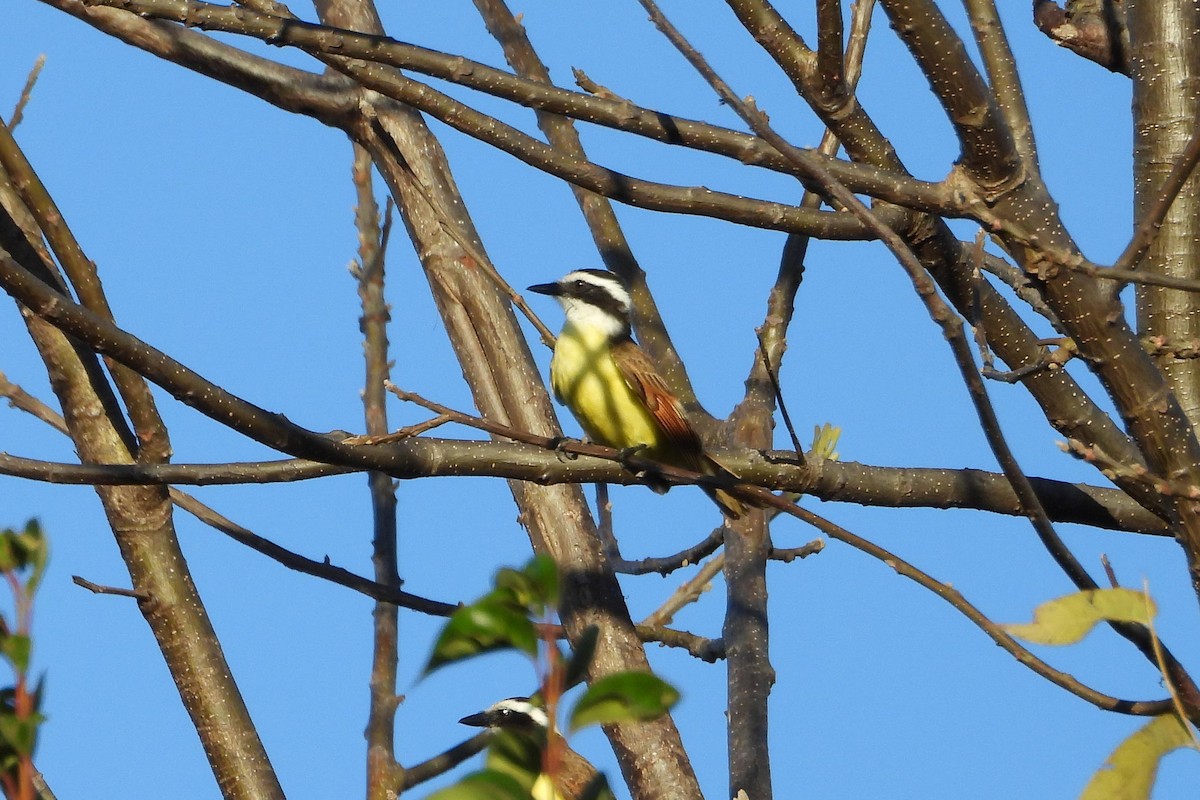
[(592, 298), (514, 713)]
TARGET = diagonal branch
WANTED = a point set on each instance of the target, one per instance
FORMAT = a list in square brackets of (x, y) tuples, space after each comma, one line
[(597, 210), (322, 97), (153, 443), (989, 153), (1002, 71)]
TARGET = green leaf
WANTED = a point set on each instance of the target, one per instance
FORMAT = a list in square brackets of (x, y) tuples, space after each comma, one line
[(483, 627), (19, 735), (622, 697), (37, 553), (1129, 772), (518, 755), (533, 587), (1068, 619), (581, 657), (16, 648), (9, 558), (484, 785)]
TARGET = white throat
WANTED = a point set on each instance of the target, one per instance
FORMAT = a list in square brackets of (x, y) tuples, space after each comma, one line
[(587, 318)]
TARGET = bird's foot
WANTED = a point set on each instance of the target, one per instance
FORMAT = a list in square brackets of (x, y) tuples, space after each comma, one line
[(559, 445)]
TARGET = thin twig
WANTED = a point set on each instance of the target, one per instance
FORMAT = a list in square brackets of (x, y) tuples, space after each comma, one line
[(97, 588), (708, 650), (604, 527), (444, 762), (1176, 701), (1148, 225), (686, 593), (318, 569), (1108, 571), (995, 632), (789, 554), (779, 401), (665, 565), (26, 92), (1113, 469)]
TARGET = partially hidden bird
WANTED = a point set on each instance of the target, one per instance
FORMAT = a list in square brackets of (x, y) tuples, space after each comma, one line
[(612, 388), (525, 721)]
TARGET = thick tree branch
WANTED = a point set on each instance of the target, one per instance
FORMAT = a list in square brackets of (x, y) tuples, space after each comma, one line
[(597, 210), (989, 153), (1096, 31), (153, 443), (1002, 73), (832, 481), (506, 387), (142, 524)]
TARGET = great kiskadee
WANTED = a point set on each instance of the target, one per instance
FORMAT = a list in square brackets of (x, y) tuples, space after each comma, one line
[(611, 387), (521, 757)]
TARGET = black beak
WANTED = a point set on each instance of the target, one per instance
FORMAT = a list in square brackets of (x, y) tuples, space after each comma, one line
[(479, 720), (552, 289)]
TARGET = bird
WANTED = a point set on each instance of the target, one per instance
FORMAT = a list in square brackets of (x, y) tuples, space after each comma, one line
[(521, 757), (611, 387)]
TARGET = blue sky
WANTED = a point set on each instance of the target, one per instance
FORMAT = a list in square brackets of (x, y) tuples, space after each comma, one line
[(222, 229)]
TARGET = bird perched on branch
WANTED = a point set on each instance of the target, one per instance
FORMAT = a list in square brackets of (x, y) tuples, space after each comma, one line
[(611, 386), (571, 776)]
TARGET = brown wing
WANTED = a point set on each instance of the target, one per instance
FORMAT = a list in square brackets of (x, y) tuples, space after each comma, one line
[(689, 453), (663, 406)]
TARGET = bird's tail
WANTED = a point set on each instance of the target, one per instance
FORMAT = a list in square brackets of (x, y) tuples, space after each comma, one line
[(732, 507)]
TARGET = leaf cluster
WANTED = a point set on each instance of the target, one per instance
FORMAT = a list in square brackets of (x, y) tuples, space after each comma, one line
[(509, 618), (23, 557), (1130, 771)]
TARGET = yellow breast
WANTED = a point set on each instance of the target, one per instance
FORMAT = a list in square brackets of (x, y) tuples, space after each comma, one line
[(587, 381)]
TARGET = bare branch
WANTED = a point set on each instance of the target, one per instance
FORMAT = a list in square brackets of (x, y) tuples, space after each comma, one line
[(989, 154), (322, 97), (1002, 73), (1100, 37), (444, 762), (686, 593), (96, 588), (789, 554), (26, 92), (383, 771), (995, 632), (334, 46), (665, 565), (1156, 212), (708, 650), (154, 445)]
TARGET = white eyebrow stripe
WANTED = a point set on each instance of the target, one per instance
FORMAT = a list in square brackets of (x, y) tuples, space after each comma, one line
[(536, 714)]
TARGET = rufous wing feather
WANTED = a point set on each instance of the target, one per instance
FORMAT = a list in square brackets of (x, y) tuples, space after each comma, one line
[(683, 441)]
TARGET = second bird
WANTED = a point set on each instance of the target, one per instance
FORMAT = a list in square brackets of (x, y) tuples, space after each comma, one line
[(611, 386)]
